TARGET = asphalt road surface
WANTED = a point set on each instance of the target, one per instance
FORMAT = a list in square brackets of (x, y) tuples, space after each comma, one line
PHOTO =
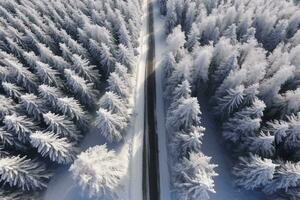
[(151, 169)]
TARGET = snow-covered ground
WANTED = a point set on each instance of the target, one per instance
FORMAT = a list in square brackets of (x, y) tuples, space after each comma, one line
[(165, 193), (137, 133), (213, 145), (63, 187)]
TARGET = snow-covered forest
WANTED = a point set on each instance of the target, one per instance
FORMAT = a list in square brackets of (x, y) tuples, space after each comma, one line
[(244, 57), (69, 68), (65, 66)]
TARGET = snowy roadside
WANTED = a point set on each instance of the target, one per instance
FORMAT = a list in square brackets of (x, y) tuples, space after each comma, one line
[(160, 44), (136, 132)]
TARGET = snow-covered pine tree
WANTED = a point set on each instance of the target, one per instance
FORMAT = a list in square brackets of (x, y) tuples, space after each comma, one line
[(223, 70), (221, 52), (176, 41), (70, 107), (288, 103), (244, 123), (66, 52), (32, 105), (185, 115), (285, 177), (107, 59), (82, 90), (122, 71), (104, 183), (24, 173), (47, 56), (279, 129), (292, 139), (202, 60), (263, 144), (12, 90), (58, 149), (123, 35), (46, 74), (182, 71), (253, 172), (112, 102), (270, 87), (118, 85), (171, 17), (19, 73), (185, 142), (83, 68), (99, 34), (125, 56), (110, 125), (232, 100), (50, 94), (61, 126), (21, 126), (168, 65), (7, 106), (276, 35), (10, 194), (192, 38), (194, 177), (6, 138), (183, 90)]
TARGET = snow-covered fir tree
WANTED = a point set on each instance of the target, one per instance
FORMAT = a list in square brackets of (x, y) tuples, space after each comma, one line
[(110, 125), (195, 177), (7, 106), (58, 149), (112, 102), (32, 105), (61, 126), (253, 171), (118, 85), (23, 173), (99, 172), (71, 108), (21, 126), (185, 115), (12, 90), (286, 176), (79, 86)]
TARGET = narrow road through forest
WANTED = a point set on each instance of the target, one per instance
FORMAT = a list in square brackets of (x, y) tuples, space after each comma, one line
[(151, 166)]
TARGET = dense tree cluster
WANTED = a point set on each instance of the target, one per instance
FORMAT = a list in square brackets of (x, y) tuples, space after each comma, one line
[(57, 58), (192, 174), (244, 56)]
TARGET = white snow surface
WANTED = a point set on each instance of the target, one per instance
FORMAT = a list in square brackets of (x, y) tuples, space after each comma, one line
[(160, 47), (63, 187), (136, 147)]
